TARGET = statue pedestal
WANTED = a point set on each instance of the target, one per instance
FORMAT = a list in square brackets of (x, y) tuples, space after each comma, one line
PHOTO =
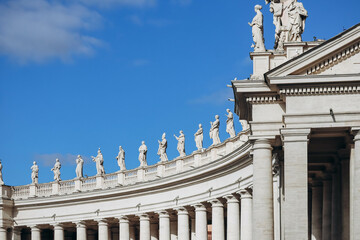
[(99, 181), (294, 49), (160, 169), (78, 185), (179, 165), (261, 64), (32, 190), (141, 174), (55, 188), (121, 178)]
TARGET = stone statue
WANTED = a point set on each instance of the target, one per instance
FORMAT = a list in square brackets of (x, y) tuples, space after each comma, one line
[(181, 143), (35, 173), (56, 170), (214, 130), (79, 167), (121, 158), (258, 30), (230, 123), (289, 20), (142, 154), (244, 124), (99, 160), (1, 177), (162, 149), (199, 136)]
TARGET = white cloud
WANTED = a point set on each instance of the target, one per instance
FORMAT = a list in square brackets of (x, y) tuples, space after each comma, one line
[(39, 30), (216, 98), (65, 159)]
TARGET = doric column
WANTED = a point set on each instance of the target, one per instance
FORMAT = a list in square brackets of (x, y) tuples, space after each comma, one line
[(263, 212), (103, 229), (200, 222), (246, 215), (345, 199), (154, 231), (35, 233), (16, 234), (81, 231), (183, 224), (354, 185), (58, 231), (132, 232), (316, 211), (295, 143), (144, 227), (3, 233), (164, 225), (335, 202), (326, 214), (124, 229), (233, 218), (218, 228)]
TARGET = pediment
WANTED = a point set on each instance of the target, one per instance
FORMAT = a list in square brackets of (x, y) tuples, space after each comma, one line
[(338, 55)]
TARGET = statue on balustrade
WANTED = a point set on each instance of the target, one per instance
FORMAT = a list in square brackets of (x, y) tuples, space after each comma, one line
[(79, 167), (35, 173), (199, 136), (162, 148), (56, 170), (1, 177), (230, 123), (99, 160), (121, 158), (244, 124), (142, 154), (258, 30), (214, 130), (181, 143)]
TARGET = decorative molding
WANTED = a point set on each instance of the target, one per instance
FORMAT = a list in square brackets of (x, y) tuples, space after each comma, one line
[(334, 59), (264, 99), (321, 90)]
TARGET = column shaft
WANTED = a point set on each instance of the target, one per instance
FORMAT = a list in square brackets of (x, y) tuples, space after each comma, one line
[(35, 233), (58, 232), (103, 231), (154, 231), (164, 225), (326, 214), (246, 215), (124, 229), (193, 231), (316, 211), (218, 228), (355, 181), (81, 231), (200, 222), (263, 213), (233, 218), (144, 227), (335, 208), (183, 224), (345, 200), (3, 233)]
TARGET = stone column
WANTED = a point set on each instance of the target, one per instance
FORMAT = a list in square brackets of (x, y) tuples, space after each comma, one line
[(246, 215), (164, 225), (295, 143), (103, 230), (16, 234), (316, 211), (355, 183), (352, 190), (200, 222), (263, 212), (58, 232), (154, 231), (35, 233), (326, 214), (81, 231), (3, 233), (124, 229), (144, 227), (233, 218), (218, 227), (193, 232), (335, 202), (183, 224), (345, 200)]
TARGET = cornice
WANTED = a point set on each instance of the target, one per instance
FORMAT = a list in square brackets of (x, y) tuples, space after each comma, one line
[(264, 99), (320, 90)]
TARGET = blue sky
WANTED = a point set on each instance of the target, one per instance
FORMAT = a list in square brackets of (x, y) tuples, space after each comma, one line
[(76, 75)]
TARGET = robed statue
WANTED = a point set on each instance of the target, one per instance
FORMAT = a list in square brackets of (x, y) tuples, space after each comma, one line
[(35, 173), (142, 154), (1, 176), (162, 148), (214, 130), (79, 167), (181, 143), (56, 170), (99, 160), (199, 136), (121, 158), (230, 124), (258, 30)]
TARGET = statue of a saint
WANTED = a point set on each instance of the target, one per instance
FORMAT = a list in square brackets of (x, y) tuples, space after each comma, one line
[(214, 130), (162, 148), (35, 173), (121, 158), (230, 124), (297, 17), (99, 160), (142, 154), (1, 177), (181, 143), (244, 124), (56, 170), (258, 30), (79, 167), (199, 136)]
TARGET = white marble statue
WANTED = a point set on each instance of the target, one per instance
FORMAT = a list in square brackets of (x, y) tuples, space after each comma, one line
[(56, 170), (142, 154), (199, 137), (162, 148), (181, 143), (289, 20), (79, 167), (35, 173), (214, 130), (244, 124), (99, 160), (121, 158), (230, 129), (258, 30), (1, 177)]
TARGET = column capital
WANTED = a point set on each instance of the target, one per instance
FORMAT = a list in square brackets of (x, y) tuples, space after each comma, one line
[(58, 226), (199, 207), (34, 228), (163, 214), (182, 210), (231, 198), (295, 134), (262, 143), (356, 132), (216, 202), (123, 219), (102, 222), (245, 194), (80, 224), (143, 216)]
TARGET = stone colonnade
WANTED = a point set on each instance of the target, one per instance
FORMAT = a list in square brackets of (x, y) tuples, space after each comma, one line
[(231, 218)]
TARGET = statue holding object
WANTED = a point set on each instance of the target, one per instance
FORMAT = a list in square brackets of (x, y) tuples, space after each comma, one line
[(258, 30), (99, 160), (121, 158), (199, 136), (230, 123), (142, 154), (214, 130), (56, 170), (181, 144), (162, 149), (35, 173)]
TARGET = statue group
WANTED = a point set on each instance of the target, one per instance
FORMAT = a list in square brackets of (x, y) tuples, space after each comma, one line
[(289, 20)]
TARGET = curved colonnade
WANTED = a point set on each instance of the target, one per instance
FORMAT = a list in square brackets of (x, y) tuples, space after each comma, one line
[(203, 194)]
